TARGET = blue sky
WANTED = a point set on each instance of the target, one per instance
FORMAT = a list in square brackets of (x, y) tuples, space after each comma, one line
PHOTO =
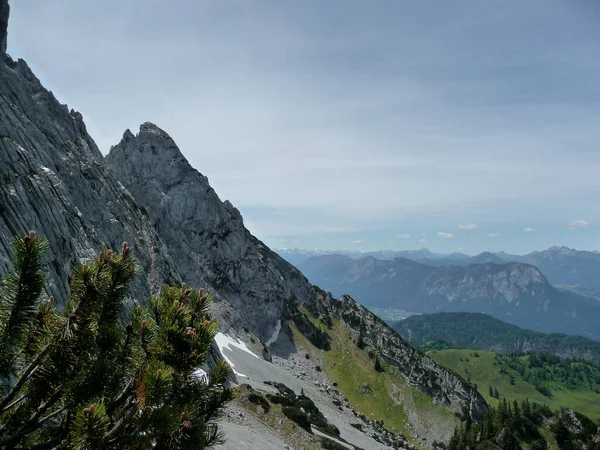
[(343, 124)]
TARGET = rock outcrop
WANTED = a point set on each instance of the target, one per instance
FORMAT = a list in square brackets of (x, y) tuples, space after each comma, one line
[(54, 180), (4, 13), (447, 389), (207, 235)]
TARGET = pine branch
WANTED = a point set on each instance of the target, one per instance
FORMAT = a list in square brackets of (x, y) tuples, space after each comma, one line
[(114, 432), (17, 401), (20, 293), (30, 427)]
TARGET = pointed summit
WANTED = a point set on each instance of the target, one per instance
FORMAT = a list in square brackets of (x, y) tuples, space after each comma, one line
[(208, 235)]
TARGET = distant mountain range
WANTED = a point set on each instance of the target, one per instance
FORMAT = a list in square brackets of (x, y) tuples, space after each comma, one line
[(564, 267), (515, 292), (482, 332), (297, 256)]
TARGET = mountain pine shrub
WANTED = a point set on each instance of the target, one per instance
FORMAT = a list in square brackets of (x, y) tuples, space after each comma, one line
[(95, 376)]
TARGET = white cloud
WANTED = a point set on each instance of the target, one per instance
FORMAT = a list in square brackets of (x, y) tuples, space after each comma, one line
[(493, 235), (529, 230), (403, 236), (445, 235), (577, 224), (356, 242), (423, 241), (470, 226), (422, 234)]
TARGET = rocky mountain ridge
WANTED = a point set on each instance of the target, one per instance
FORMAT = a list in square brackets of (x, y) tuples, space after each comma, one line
[(445, 387), (208, 236), (514, 292), (563, 266)]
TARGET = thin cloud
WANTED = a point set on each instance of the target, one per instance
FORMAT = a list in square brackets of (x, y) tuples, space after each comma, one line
[(529, 230), (356, 242), (445, 235), (423, 241), (577, 225), (493, 235), (403, 236), (467, 227)]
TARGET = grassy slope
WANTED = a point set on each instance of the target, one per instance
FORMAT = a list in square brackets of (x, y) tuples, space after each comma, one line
[(386, 396), (482, 371)]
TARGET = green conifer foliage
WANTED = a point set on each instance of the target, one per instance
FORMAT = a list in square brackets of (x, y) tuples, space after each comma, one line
[(97, 377)]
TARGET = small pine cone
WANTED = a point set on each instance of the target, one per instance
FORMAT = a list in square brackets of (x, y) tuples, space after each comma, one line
[(187, 425), (201, 292), (125, 249), (109, 254), (85, 267), (31, 234), (182, 416), (100, 258), (206, 324), (89, 412), (51, 300), (159, 373)]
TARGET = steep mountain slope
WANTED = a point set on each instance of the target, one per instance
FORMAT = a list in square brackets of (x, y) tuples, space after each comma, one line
[(482, 332), (514, 292), (566, 266), (561, 265), (208, 236), (54, 181)]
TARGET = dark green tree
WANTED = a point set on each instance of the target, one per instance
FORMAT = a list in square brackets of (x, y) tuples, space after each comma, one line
[(94, 376)]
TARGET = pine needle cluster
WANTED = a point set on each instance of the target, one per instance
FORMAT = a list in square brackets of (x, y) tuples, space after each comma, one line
[(92, 376)]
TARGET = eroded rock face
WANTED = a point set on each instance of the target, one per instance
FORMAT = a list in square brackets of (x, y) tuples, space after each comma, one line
[(206, 235), (54, 180), (4, 13)]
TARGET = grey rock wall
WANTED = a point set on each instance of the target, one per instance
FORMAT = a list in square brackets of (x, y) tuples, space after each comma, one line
[(206, 235), (53, 179)]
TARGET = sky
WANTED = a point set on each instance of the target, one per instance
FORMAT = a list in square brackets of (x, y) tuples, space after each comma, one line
[(396, 124)]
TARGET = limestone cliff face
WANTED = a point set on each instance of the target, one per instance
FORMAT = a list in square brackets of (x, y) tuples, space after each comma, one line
[(206, 235), (54, 180)]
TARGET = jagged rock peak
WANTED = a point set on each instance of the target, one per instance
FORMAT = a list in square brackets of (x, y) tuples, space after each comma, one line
[(153, 145), (208, 235), (4, 13)]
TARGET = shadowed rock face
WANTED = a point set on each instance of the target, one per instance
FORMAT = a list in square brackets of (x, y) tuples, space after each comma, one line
[(206, 235), (4, 12)]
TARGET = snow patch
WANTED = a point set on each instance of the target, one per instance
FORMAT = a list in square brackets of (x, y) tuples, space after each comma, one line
[(223, 341), (275, 334), (201, 375)]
